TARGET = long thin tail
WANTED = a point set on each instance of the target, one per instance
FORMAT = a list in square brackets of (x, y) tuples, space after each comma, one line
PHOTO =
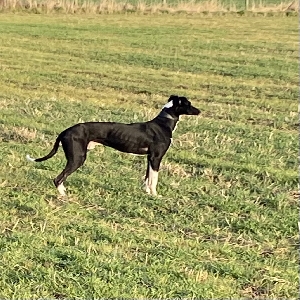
[(52, 152)]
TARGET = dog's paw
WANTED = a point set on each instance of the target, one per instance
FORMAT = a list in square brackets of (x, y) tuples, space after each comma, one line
[(153, 193), (62, 190), (62, 198)]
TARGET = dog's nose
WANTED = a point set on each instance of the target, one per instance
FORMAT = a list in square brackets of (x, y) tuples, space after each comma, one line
[(196, 111)]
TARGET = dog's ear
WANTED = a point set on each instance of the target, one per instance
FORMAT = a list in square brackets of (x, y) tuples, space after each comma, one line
[(176, 100), (173, 98), (183, 101)]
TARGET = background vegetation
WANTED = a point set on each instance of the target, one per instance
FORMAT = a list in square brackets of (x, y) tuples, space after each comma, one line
[(265, 7), (226, 224)]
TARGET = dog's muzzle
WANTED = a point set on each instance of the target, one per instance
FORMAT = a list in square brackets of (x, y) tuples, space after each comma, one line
[(194, 111)]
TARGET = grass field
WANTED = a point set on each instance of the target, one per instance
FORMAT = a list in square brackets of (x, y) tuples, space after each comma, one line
[(226, 224)]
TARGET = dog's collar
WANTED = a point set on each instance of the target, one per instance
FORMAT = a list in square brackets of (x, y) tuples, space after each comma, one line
[(164, 114)]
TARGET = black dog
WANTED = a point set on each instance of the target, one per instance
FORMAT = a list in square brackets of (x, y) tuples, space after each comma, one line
[(151, 138)]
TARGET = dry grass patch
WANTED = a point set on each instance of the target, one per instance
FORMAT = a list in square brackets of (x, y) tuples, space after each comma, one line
[(175, 169), (17, 134), (186, 141), (282, 7), (112, 6)]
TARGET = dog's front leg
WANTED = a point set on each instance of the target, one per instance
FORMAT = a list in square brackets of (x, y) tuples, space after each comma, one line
[(153, 179), (147, 187), (152, 175)]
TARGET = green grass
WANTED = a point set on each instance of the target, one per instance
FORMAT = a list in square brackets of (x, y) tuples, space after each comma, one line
[(226, 224)]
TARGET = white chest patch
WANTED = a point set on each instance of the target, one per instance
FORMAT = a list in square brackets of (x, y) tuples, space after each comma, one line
[(91, 145), (175, 126)]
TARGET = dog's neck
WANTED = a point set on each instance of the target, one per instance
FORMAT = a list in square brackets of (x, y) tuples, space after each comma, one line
[(164, 114), (167, 120)]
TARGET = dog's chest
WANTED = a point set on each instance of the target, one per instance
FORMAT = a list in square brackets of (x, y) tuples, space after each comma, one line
[(91, 145)]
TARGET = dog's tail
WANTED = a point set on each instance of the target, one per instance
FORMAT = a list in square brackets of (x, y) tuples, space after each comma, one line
[(52, 152)]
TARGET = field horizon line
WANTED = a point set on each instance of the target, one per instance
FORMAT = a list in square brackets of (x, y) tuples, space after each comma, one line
[(113, 6)]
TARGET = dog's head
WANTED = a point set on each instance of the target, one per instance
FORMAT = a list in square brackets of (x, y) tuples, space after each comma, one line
[(180, 106)]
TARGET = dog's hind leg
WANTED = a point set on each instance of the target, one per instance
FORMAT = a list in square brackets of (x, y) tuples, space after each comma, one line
[(71, 166), (75, 153)]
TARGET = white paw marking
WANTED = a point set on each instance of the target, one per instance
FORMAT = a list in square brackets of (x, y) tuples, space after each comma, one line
[(151, 182), (147, 188), (61, 189)]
